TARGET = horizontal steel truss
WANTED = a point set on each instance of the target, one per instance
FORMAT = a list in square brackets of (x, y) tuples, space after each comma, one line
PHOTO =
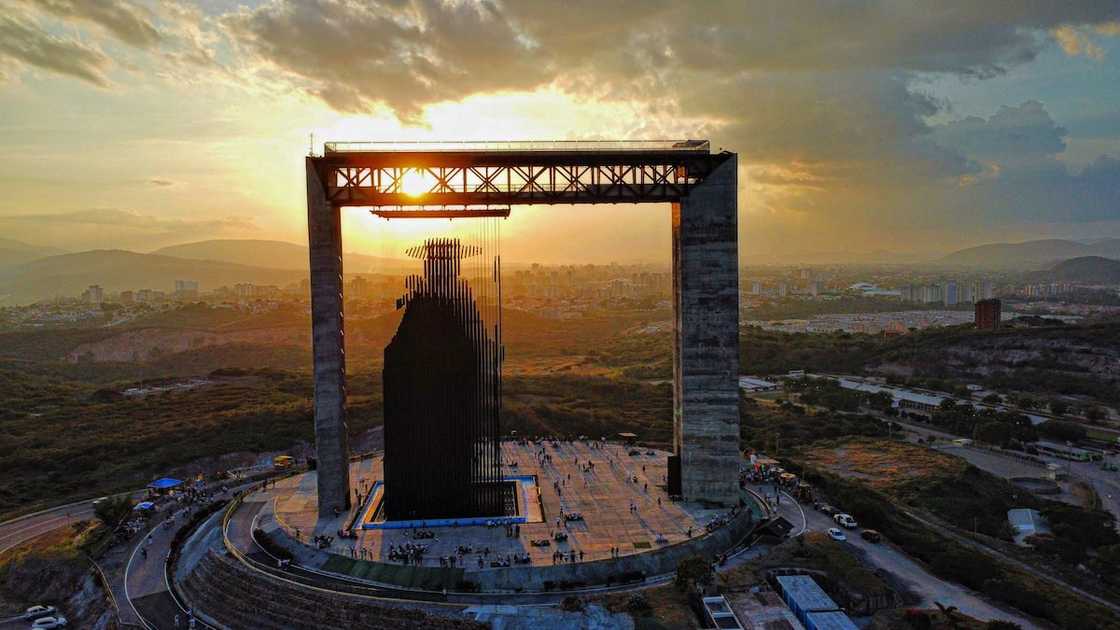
[(357, 185)]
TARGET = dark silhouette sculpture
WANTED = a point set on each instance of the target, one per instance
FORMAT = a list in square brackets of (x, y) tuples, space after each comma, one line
[(442, 391)]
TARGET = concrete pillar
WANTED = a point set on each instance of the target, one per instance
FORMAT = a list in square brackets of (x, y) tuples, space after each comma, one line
[(706, 337), (328, 348)]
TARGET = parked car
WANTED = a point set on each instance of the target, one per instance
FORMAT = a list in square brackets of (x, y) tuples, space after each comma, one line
[(827, 509), (46, 623), (38, 611), (836, 534), (871, 535), (846, 521)]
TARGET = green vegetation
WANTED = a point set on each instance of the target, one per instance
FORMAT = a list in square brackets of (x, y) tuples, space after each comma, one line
[(794, 308), (693, 572), (1005, 429), (951, 560)]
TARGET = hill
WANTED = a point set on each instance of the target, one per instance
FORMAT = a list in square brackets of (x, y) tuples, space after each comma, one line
[(1031, 253), (274, 255), (1087, 269), (14, 252), (118, 270)]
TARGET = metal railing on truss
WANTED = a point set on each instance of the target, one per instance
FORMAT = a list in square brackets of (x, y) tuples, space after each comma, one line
[(517, 146)]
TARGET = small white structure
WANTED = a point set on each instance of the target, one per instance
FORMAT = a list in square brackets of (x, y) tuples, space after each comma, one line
[(720, 614), (1026, 523), (754, 384)]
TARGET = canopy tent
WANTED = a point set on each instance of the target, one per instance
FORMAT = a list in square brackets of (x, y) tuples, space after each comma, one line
[(164, 483), (144, 506)]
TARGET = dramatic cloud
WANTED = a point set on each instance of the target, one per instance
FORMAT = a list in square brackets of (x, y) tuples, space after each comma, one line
[(831, 105), (23, 41), (833, 83), (405, 55), (1025, 180), (126, 21), (1023, 133)]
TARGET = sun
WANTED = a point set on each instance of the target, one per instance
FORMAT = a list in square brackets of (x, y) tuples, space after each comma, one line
[(416, 182)]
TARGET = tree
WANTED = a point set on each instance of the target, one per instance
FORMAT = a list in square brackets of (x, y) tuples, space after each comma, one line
[(949, 613), (1062, 430), (693, 571), (997, 433), (1095, 414), (112, 510), (879, 400), (993, 399), (1059, 407)]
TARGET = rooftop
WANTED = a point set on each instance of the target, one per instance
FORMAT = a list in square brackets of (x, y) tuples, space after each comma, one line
[(805, 591)]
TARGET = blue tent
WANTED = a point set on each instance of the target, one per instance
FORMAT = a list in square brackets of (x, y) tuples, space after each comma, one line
[(146, 505), (164, 483)]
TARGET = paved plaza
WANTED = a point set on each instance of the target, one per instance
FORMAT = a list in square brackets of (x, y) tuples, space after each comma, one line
[(619, 491)]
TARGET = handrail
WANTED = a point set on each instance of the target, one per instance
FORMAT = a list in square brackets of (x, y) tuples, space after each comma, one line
[(517, 146)]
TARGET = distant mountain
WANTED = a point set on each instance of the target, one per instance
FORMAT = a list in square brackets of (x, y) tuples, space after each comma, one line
[(117, 270), (1087, 269), (1040, 253), (15, 252), (274, 255)]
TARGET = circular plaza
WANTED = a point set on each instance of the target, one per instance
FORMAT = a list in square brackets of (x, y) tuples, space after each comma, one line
[(580, 514)]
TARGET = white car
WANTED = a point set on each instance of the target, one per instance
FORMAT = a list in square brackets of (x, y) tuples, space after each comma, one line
[(846, 521), (49, 622), (836, 534), (38, 611)]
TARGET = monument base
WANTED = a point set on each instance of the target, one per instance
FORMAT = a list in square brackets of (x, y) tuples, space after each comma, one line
[(522, 500)]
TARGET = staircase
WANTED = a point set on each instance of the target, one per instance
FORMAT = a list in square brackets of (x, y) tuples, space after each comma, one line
[(238, 597)]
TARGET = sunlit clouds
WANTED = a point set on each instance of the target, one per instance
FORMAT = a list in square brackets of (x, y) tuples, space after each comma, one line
[(860, 126)]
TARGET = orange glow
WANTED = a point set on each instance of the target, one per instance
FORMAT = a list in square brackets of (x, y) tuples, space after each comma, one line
[(416, 182)]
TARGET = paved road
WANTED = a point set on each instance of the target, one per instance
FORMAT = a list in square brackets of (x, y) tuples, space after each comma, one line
[(887, 557), (17, 531)]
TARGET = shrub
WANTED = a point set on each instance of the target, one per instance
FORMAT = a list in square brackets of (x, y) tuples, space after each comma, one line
[(571, 603), (638, 603), (693, 571)]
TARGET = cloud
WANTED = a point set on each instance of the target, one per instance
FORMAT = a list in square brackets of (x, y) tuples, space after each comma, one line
[(127, 220), (408, 54), (1076, 42), (1026, 132), (355, 56), (24, 42), (126, 21), (1027, 181)]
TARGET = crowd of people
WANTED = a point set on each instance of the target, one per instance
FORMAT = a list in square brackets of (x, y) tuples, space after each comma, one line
[(408, 553)]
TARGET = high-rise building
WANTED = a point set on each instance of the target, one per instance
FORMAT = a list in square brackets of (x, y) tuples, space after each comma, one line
[(986, 292), (359, 288), (93, 294), (186, 289), (988, 313), (950, 294), (783, 289), (756, 288), (931, 294), (967, 293), (127, 297)]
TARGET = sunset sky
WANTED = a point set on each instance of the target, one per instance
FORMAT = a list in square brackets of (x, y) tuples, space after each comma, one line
[(914, 127)]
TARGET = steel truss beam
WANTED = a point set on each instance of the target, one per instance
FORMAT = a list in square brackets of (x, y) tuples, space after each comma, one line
[(430, 179)]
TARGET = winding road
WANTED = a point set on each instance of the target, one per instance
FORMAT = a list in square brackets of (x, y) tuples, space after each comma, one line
[(885, 556)]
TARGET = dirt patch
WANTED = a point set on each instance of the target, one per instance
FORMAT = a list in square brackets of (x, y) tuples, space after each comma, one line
[(883, 464)]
